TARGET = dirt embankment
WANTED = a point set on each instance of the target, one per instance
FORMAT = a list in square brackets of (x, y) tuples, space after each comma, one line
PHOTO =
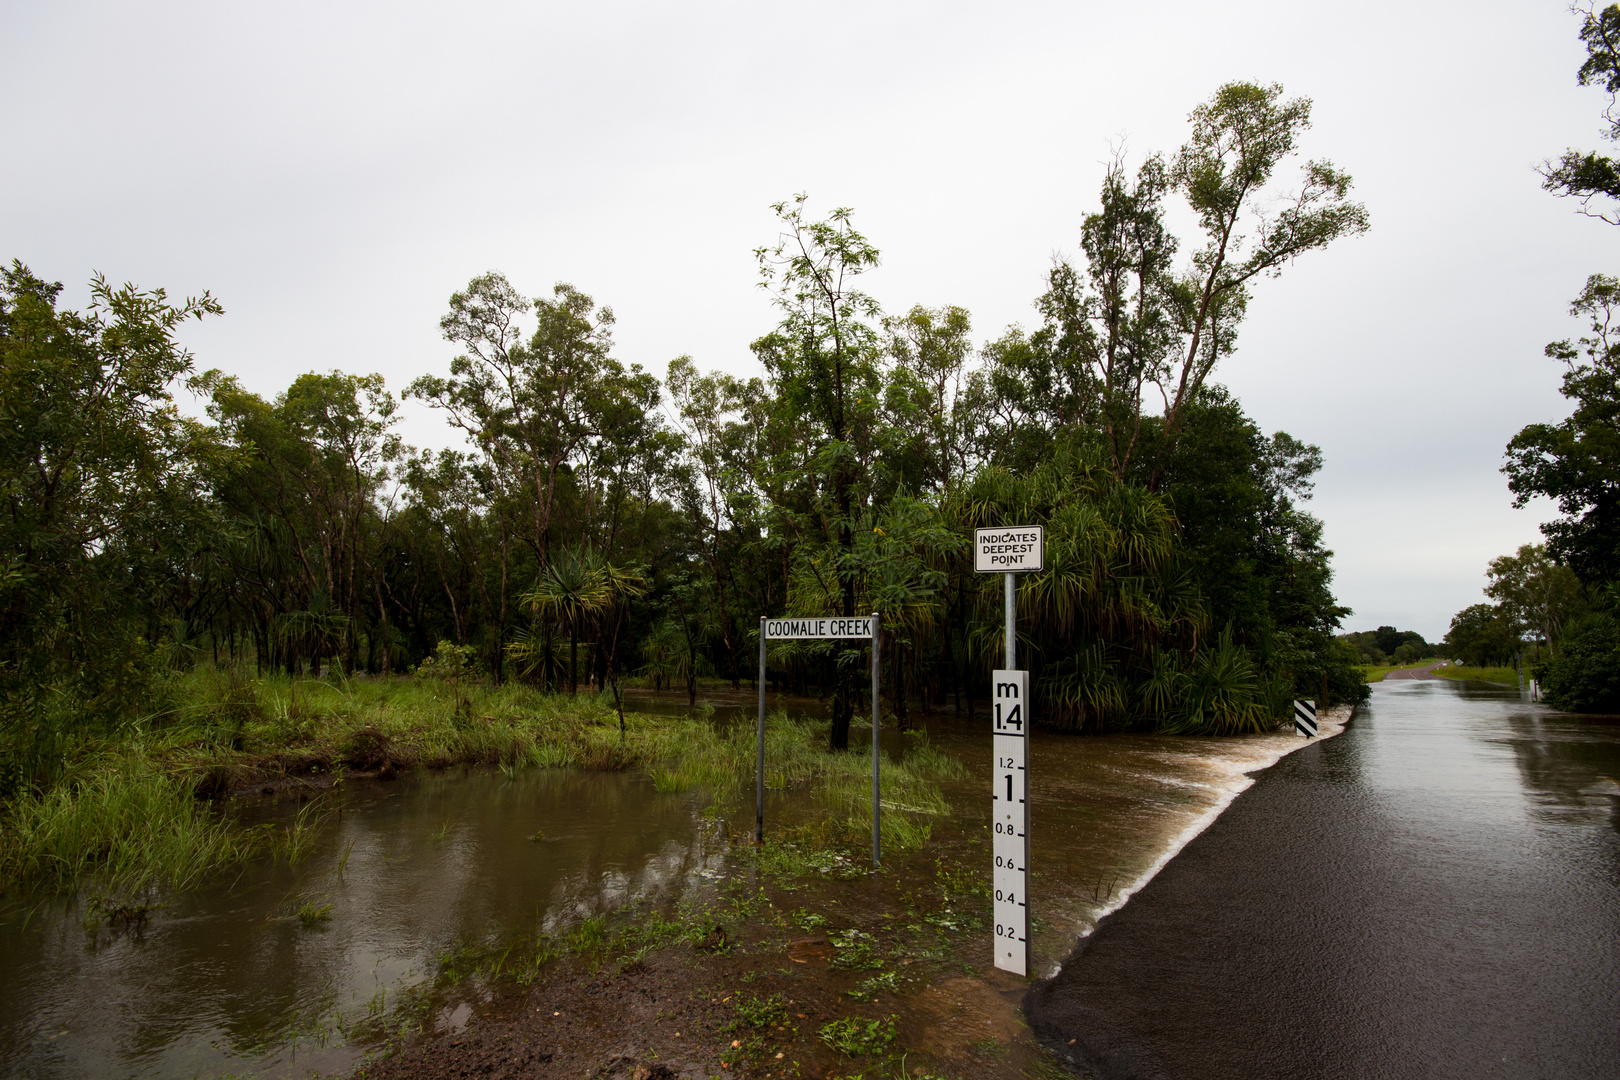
[(759, 1011)]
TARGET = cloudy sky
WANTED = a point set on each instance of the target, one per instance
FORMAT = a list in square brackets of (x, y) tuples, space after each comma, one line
[(332, 172)]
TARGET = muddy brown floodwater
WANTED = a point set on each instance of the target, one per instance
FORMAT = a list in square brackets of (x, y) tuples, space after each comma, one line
[(229, 980)]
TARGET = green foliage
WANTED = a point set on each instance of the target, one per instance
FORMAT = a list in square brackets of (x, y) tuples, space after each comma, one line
[(857, 1037), (1585, 674), (312, 914), (1534, 594), (453, 665), (1590, 176), (1577, 462), (1380, 647), (99, 480), (1481, 636)]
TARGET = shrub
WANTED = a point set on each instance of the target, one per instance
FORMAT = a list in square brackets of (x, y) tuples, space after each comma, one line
[(1585, 675)]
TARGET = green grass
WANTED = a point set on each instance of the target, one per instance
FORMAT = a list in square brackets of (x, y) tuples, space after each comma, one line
[(1480, 674), (856, 1037), (127, 811), (1372, 674), (312, 914)]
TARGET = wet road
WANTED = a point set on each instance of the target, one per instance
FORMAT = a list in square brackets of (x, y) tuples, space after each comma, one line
[(1434, 893)]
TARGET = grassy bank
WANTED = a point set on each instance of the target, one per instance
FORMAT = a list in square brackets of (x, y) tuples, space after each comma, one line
[(1374, 674), (1480, 674), (143, 807)]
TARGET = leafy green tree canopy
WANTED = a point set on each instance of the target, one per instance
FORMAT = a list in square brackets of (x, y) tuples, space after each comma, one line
[(1589, 176), (1576, 462)]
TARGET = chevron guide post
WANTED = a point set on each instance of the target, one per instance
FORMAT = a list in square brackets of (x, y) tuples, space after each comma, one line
[(1305, 718), (1010, 551)]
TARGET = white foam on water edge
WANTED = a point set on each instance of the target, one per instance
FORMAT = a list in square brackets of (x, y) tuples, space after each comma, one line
[(1240, 777)]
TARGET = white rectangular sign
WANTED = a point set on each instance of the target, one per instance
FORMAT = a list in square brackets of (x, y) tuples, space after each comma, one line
[(1015, 549), (1009, 806), (858, 626)]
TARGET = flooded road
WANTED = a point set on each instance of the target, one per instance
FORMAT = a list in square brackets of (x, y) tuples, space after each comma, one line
[(229, 980), (1434, 893)]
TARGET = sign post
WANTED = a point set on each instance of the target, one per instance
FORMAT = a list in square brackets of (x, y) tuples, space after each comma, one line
[(1010, 551), (859, 626)]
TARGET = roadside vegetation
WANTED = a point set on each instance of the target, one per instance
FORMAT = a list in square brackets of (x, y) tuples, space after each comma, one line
[(1376, 673), (1464, 673)]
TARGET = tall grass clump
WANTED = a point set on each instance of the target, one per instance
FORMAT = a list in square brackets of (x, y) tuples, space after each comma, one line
[(125, 825), (722, 761)]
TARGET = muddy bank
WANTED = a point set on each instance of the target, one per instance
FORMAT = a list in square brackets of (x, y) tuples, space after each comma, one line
[(680, 1013)]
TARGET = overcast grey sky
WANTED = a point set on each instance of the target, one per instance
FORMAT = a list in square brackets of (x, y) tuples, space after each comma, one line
[(333, 171)]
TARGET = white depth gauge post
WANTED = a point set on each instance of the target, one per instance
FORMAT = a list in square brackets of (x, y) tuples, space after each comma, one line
[(1010, 551)]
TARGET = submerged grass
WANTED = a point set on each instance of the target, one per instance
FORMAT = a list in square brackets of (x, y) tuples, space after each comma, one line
[(132, 810), (1375, 672), (1507, 675)]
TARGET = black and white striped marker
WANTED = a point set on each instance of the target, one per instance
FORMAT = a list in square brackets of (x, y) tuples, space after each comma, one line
[(1305, 718)]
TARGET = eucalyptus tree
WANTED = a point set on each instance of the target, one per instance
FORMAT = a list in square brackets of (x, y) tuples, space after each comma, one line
[(313, 462), (1534, 592), (715, 487), (1108, 338), (525, 405), (930, 446), (823, 361), (540, 409), (1239, 139)]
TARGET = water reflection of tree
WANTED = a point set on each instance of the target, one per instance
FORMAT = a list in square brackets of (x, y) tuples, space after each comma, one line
[(1568, 765)]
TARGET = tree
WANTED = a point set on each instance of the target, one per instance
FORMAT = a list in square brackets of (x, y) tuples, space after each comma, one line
[(1534, 592), (306, 476), (1240, 137), (1130, 326), (1577, 462), (536, 409), (1585, 676), (823, 362), (1480, 636), (1592, 176), (100, 503)]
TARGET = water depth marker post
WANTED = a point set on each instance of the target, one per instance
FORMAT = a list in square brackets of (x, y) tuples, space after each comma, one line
[(859, 626), (1010, 551)]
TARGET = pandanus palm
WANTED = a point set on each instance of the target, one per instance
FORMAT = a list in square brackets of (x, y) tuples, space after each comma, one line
[(1112, 594), (576, 586)]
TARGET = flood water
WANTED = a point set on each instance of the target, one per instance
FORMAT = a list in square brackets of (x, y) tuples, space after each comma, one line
[(228, 980), (1435, 893)]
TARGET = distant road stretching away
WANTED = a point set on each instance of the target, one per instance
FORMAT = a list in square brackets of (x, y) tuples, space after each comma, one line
[(1433, 893)]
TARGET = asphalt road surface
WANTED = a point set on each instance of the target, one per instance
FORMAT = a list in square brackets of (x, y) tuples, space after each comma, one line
[(1433, 893)]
